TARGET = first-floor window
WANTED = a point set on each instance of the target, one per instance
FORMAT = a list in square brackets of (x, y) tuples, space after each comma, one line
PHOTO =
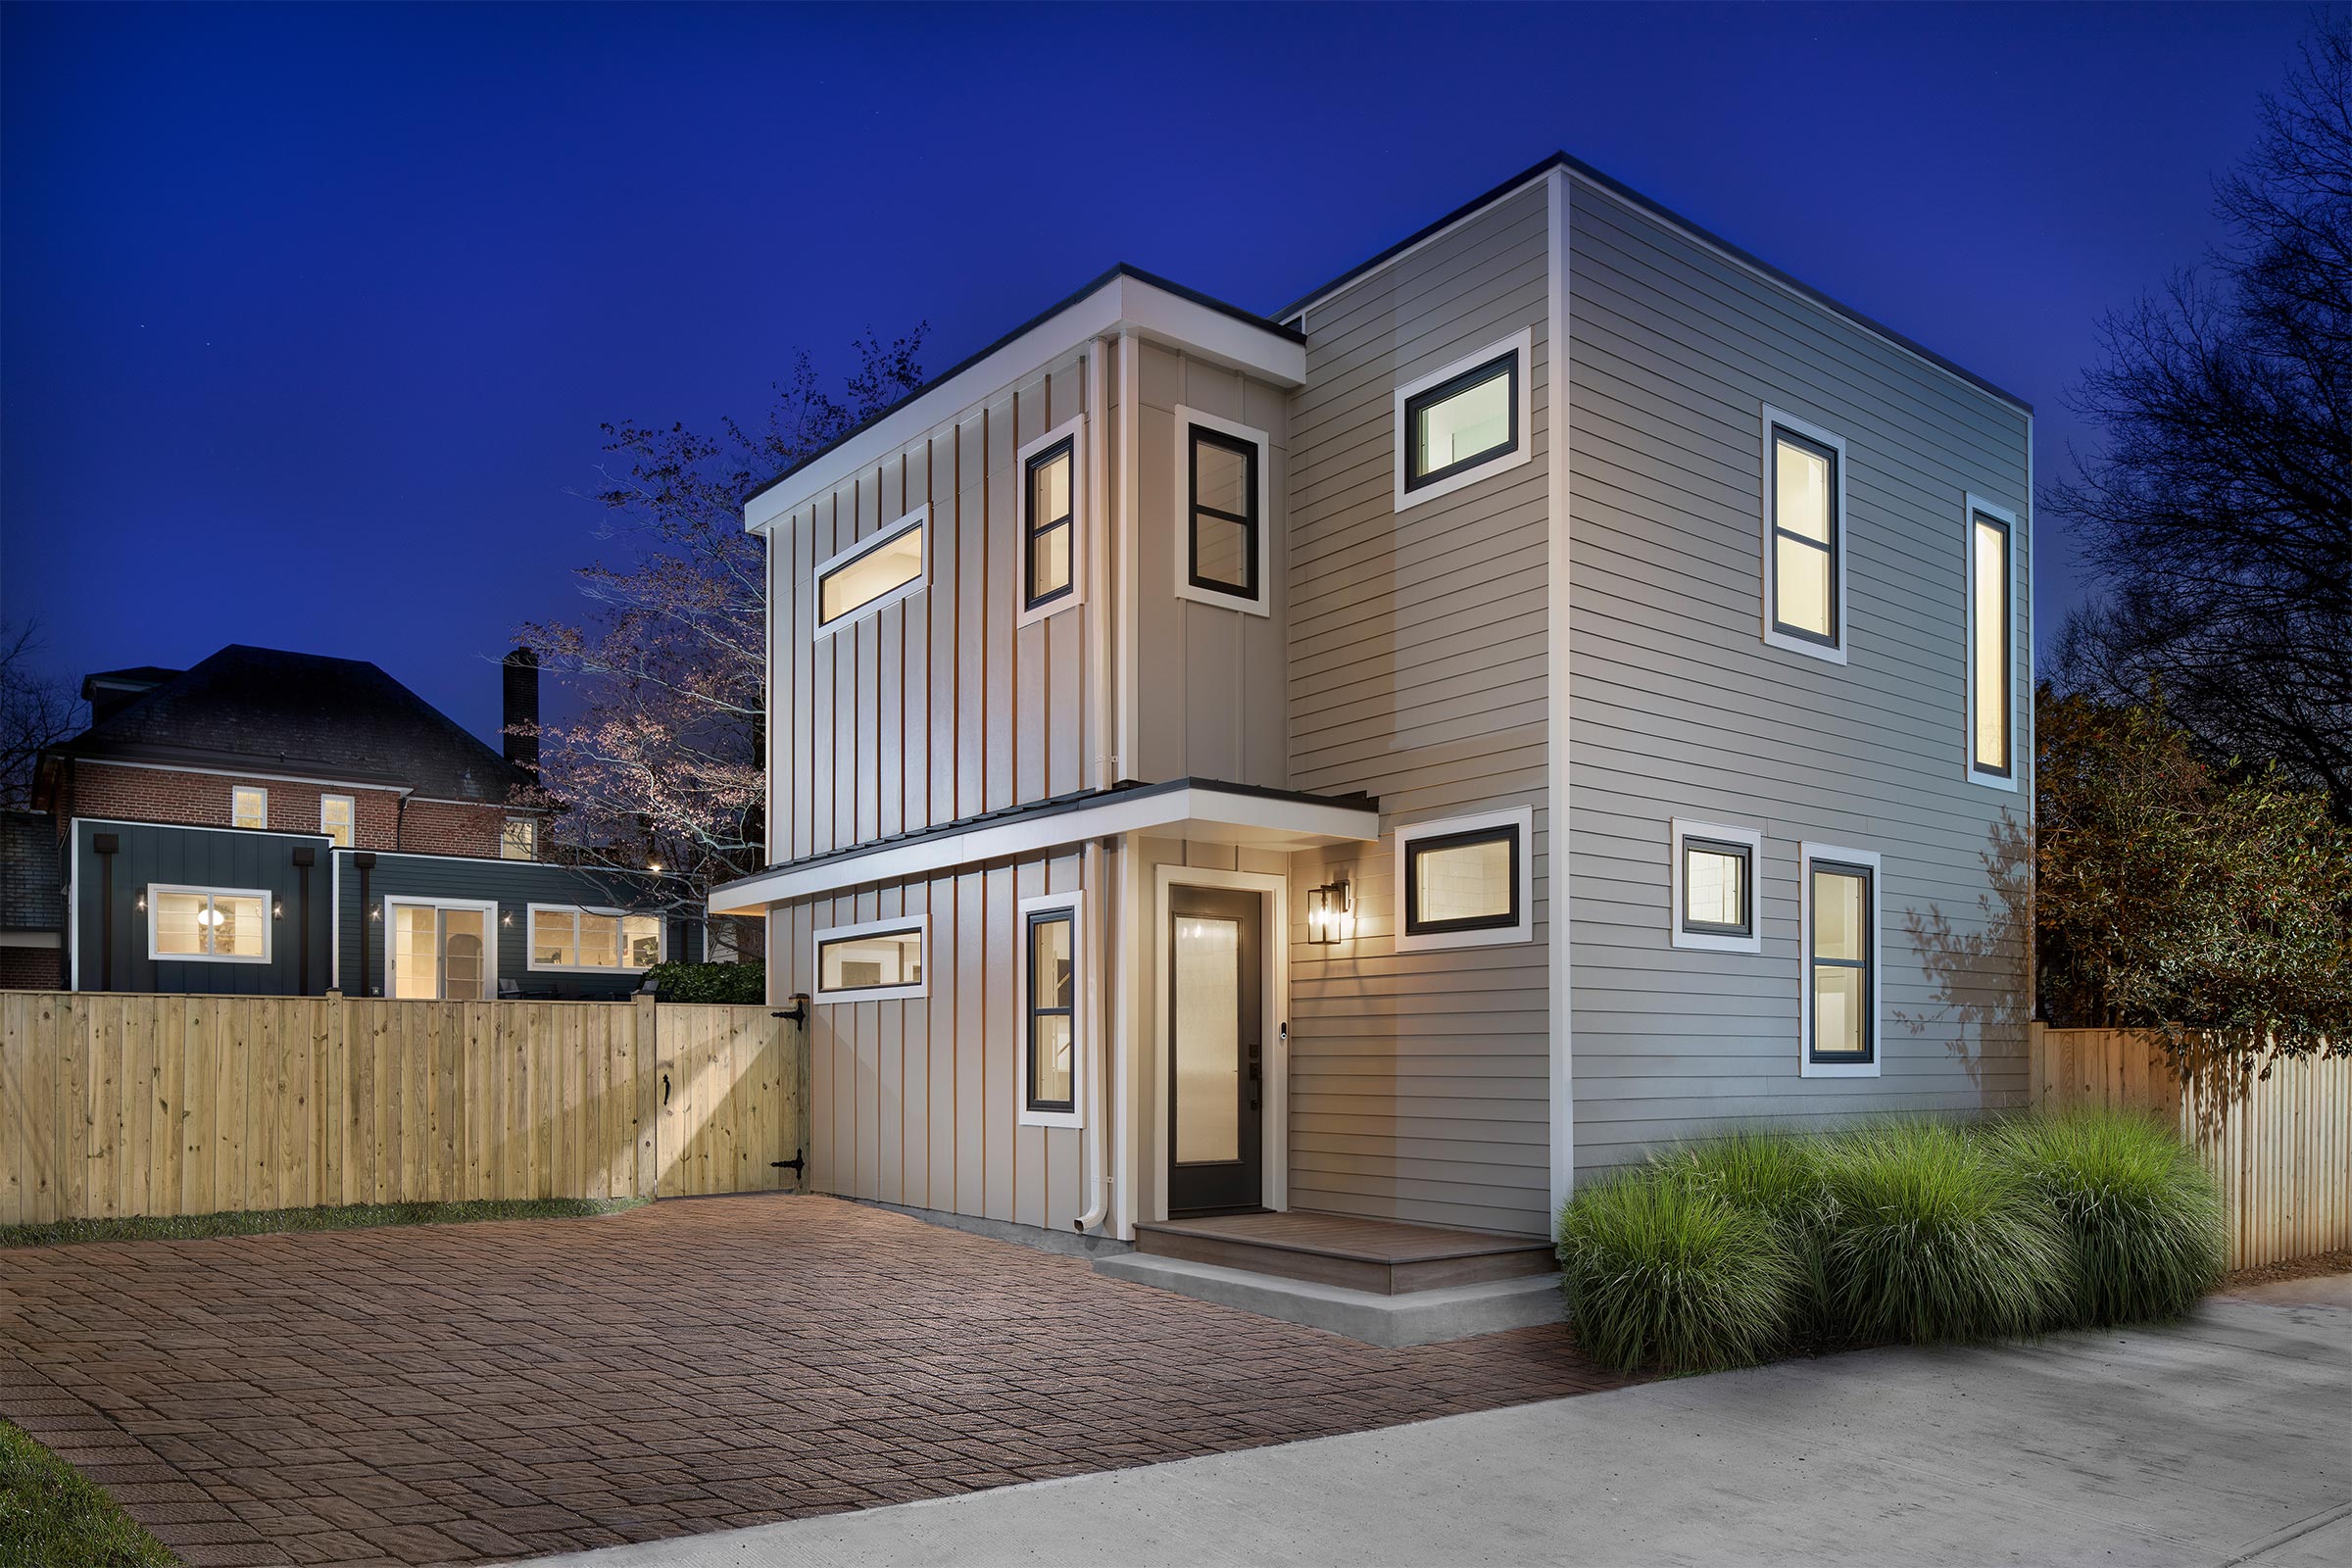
[(442, 951), (1050, 956), (248, 806), (1466, 881), (216, 924), (1841, 959), (1715, 887), (568, 937), (876, 960)]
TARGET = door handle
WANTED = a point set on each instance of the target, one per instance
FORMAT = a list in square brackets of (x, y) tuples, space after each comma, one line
[(665, 1088)]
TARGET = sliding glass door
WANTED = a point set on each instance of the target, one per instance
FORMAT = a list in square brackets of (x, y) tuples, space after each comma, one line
[(442, 951)]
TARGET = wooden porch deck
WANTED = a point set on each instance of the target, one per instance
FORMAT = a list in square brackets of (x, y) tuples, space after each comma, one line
[(1387, 1257)]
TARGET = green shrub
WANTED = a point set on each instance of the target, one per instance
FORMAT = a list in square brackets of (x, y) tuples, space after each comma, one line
[(1664, 1273), (1777, 1175), (742, 985), (2143, 1220), (1932, 1238)]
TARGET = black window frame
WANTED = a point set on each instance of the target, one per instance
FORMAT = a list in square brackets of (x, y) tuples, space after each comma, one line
[(1978, 518), (1416, 847), (922, 961), (1420, 402), (1834, 549), (1249, 523), (1746, 854), (1867, 964), (1032, 529), (1037, 919), (876, 543)]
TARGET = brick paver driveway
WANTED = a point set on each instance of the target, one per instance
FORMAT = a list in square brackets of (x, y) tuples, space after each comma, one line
[(454, 1393)]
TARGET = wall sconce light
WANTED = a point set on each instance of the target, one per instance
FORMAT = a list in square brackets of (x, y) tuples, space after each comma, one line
[(507, 918), (277, 909), (1330, 914), (139, 903), (375, 913)]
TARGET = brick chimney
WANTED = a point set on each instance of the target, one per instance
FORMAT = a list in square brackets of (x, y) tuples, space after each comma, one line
[(522, 707)]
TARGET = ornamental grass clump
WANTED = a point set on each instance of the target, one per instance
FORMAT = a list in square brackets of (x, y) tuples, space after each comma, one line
[(1665, 1274), (1777, 1175), (1934, 1238), (2144, 1219)]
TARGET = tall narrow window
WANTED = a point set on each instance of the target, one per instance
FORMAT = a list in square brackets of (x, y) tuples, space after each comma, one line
[(873, 572), (1841, 959), (1223, 482), (1805, 544), (1053, 1012), (1048, 480), (335, 812), (248, 806), (1989, 653)]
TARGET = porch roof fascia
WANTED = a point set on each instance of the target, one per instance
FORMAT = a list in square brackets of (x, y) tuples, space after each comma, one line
[(1205, 811)]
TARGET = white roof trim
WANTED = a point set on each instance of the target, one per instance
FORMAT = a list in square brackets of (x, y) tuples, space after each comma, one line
[(1199, 813), (1124, 303)]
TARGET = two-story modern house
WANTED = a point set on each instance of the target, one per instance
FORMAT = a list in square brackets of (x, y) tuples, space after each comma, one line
[(1561, 686), (282, 824)]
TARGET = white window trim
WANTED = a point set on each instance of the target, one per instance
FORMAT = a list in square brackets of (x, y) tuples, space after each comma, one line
[(349, 800), (1522, 930), (532, 823), (1186, 588), (530, 923), (1026, 1116), (1807, 854), (1717, 941), (1073, 430), (920, 517), (1521, 343), (391, 923), (235, 790), (1968, 716), (920, 924), (1841, 534), (269, 923)]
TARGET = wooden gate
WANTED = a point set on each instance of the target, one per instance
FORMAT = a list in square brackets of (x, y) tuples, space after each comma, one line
[(730, 1106)]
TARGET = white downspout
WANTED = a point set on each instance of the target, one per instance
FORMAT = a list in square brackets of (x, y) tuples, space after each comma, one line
[(1097, 665)]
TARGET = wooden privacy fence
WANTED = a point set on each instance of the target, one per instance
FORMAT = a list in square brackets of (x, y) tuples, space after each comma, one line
[(133, 1104), (2282, 1146)]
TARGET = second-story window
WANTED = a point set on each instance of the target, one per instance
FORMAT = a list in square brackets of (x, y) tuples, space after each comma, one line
[(248, 806), (1223, 551), (873, 572), (1804, 554), (1048, 480), (518, 839), (336, 818), (1992, 683), (1463, 422)]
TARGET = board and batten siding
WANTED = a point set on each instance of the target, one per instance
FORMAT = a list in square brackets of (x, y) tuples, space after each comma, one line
[(1417, 672), (935, 706), (912, 1100), (1679, 708)]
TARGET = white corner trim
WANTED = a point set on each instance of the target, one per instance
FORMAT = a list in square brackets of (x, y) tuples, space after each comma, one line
[(1523, 929), (530, 927), (1807, 854), (1560, 991), (1073, 430), (919, 924), (1841, 540), (1973, 503), (1521, 344), (1274, 1126), (1081, 998), (1716, 941), (269, 923), (920, 517), (1182, 469)]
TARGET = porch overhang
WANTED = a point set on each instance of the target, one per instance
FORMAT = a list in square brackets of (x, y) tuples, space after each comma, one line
[(1205, 811)]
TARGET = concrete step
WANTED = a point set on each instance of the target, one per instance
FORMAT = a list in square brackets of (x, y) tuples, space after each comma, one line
[(1375, 1317)]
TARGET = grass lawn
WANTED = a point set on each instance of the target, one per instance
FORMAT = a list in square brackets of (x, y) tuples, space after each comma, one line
[(257, 1222), (50, 1517)]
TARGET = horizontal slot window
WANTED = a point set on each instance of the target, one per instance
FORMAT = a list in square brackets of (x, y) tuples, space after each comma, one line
[(876, 570)]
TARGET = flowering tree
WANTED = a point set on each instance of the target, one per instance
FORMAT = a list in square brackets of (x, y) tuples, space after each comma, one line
[(664, 761)]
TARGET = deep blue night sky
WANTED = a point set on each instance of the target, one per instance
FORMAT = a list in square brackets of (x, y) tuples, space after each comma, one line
[(311, 314)]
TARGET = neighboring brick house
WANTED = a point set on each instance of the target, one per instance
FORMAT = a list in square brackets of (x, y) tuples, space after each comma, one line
[(274, 824)]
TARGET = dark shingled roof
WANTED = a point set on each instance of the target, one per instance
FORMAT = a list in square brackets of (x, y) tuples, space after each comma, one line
[(30, 880), (260, 710)]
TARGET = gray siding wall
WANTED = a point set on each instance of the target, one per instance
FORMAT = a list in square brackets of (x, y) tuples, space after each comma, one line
[(1679, 708), (1417, 672)]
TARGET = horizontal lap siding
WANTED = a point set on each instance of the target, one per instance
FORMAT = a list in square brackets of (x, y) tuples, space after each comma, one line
[(914, 1102), (1679, 708), (1419, 1081)]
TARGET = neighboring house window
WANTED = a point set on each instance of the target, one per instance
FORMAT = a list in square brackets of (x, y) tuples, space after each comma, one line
[(1715, 887), (441, 951), (1049, 1011), (1223, 550), (1463, 423), (880, 959), (1467, 882), (248, 806), (1841, 948), (335, 816), (568, 937), (1991, 641), (519, 839), (873, 572), (210, 925), (1804, 537), (1049, 532)]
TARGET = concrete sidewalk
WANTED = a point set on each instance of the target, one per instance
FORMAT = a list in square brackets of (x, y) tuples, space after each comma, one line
[(2225, 1440)]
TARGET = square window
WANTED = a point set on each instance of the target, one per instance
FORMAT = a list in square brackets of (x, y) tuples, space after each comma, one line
[(1715, 888), (248, 806), (879, 959), (1465, 882), (518, 839), (1463, 422)]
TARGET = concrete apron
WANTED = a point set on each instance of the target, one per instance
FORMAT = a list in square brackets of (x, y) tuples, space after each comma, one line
[(2224, 1441), (1410, 1317)]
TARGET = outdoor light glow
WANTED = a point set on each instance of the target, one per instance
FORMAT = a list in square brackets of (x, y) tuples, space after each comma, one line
[(1330, 914)]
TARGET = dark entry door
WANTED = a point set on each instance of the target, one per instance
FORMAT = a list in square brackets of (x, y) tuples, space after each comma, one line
[(1216, 1049)]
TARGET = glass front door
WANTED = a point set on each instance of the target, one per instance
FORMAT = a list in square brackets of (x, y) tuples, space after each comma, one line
[(441, 953), (1216, 1049)]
